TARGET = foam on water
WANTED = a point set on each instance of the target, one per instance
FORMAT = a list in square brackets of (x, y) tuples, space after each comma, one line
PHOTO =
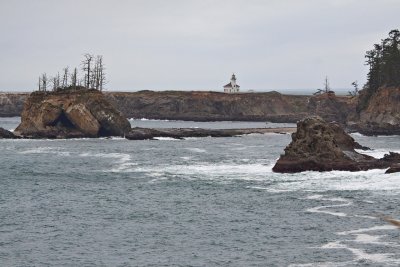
[(196, 149), (322, 209), (376, 153), (166, 139)]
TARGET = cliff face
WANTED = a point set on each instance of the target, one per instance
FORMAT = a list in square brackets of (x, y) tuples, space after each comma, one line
[(70, 113), (208, 106), (203, 106), (11, 104), (331, 108), (382, 114)]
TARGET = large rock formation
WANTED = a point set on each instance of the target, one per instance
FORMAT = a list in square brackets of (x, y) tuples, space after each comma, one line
[(321, 146), (381, 115), (70, 113)]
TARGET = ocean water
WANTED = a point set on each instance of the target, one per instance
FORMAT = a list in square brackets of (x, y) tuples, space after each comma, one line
[(193, 202)]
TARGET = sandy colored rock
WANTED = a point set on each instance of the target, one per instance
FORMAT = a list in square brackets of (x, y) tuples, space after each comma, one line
[(83, 120), (70, 113)]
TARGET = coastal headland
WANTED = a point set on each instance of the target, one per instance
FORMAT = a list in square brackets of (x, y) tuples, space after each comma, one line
[(211, 106)]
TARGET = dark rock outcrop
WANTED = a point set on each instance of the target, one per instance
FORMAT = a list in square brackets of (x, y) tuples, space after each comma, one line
[(4, 134), (70, 114), (394, 168), (179, 133), (321, 146)]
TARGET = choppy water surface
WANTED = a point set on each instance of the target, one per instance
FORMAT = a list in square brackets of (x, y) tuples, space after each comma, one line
[(194, 202)]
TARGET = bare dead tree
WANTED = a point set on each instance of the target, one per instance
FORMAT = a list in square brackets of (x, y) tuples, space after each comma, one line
[(327, 88), (40, 83), (54, 82), (101, 74), (74, 78), (44, 82), (93, 77), (86, 67), (65, 77)]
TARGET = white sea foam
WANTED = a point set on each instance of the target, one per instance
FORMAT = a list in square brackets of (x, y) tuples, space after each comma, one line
[(323, 209), (46, 150), (373, 180), (166, 139), (373, 228), (376, 153), (360, 254), (196, 149)]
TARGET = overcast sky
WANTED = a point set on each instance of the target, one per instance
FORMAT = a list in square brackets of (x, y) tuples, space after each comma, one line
[(194, 44)]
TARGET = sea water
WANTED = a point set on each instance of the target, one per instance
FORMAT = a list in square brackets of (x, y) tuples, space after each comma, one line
[(192, 202)]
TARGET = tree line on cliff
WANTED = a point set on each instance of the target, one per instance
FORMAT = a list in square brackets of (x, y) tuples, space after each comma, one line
[(93, 76), (384, 66)]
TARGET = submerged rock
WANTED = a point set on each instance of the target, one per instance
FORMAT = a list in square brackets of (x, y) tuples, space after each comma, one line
[(4, 134), (70, 113), (321, 146)]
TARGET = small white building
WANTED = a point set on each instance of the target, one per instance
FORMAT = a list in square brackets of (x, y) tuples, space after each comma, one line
[(232, 87)]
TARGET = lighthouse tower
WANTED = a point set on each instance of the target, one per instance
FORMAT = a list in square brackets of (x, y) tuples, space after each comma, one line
[(232, 87)]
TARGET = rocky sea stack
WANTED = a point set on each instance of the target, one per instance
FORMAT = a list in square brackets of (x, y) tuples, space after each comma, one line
[(321, 146), (70, 113)]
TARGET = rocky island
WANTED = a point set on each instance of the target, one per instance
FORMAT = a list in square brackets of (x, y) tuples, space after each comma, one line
[(321, 146), (70, 113)]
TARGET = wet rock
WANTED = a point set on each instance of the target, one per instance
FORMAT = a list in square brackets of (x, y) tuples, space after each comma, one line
[(394, 168), (4, 134), (321, 146)]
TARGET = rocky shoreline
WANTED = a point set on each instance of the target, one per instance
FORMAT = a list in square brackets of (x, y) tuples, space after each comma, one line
[(210, 106), (180, 133)]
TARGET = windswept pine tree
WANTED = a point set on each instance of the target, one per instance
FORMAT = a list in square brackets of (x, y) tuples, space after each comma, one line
[(384, 66)]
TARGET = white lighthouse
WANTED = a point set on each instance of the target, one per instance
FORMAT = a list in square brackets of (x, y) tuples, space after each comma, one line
[(232, 87)]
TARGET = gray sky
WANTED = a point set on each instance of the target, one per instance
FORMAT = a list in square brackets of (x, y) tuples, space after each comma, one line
[(194, 44)]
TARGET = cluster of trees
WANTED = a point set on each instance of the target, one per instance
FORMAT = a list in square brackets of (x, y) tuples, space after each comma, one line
[(93, 76), (384, 67), (384, 62)]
